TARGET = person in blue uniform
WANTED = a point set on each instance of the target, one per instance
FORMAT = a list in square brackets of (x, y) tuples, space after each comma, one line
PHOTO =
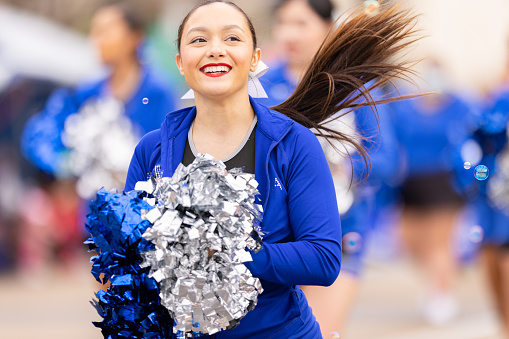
[(302, 246), (299, 28), (117, 33), (429, 130), (490, 196)]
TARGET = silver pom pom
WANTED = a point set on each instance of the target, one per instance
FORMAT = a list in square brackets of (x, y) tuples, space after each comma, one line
[(204, 221), (102, 140)]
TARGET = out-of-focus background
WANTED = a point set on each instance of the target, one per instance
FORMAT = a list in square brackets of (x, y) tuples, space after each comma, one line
[(45, 280)]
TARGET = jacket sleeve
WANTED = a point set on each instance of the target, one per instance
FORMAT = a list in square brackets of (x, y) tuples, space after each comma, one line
[(41, 141), (140, 162), (314, 257)]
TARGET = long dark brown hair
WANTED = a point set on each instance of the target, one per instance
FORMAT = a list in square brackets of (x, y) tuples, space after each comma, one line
[(356, 58)]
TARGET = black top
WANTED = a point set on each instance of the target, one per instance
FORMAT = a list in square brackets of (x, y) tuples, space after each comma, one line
[(244, 156)]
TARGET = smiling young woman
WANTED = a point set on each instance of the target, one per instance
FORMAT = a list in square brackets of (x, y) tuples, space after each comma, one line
[(215, 57), (302, 243)]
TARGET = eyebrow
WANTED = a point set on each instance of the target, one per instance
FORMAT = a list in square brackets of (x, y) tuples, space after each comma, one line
[(203, 29)]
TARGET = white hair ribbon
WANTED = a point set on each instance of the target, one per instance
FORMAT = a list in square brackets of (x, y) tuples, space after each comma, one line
[(255, 88)]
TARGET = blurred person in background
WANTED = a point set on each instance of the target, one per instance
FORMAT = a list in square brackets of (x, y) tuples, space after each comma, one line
[(488, 193), (299, 28), (429, 129), (20, 98), (79, 125), (131, 89)]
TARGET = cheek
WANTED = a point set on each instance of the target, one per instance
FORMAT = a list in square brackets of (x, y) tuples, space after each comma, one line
[(316, 33), (242, 59), (114, 43), (188, 61), (308, 41), (288, 34)]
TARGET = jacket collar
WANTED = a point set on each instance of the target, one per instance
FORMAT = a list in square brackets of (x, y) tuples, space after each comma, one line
[(274, 125), (271, 123), (271, 129)]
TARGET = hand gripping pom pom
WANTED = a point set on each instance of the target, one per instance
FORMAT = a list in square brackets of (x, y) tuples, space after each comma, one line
[(205, 219)]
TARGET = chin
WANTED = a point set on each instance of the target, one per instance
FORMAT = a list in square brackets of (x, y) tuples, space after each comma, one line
[(216, 94), (217, 91)]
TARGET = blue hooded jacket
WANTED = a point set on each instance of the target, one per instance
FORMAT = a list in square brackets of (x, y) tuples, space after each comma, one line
[(41, 141), (302, 242)]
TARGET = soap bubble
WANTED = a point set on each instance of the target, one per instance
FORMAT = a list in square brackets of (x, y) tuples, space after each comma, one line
[(481, 172), (467, 165), (476, 234), (352, 242), (145, 101), (333, 335), (471, 151), (371, 7)]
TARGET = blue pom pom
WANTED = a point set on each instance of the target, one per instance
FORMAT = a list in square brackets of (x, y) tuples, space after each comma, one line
[(130, 307)]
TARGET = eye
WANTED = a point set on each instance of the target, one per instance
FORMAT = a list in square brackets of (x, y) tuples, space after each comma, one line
[(197, 40), (232, 38)]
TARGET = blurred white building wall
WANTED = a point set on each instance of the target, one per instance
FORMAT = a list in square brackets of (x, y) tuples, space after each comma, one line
[(34, 46), (470, 38)]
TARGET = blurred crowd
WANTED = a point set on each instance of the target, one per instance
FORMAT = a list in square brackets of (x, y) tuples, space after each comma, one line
[(79, 86)]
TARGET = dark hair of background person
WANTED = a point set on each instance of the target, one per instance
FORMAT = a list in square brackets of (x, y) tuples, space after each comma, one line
[(324, 8), (356, 57), (133, 16)]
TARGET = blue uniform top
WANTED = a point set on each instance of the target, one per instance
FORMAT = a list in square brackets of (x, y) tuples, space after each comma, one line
[(41, 140), (382, 146), (428, 139), (491, 135), (382, 150), (302, 245)]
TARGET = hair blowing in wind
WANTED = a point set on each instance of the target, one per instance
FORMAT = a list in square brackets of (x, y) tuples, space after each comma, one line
[(355, 58)]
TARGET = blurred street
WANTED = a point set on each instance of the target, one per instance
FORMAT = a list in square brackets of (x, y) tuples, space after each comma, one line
[(387, 307), (58, 307)]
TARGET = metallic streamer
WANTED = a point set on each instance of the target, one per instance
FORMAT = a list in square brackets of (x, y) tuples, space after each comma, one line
[(101, 139), (204, 225)]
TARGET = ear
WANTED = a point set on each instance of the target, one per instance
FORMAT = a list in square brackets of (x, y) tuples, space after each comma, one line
[(257, 55), (179, 64)]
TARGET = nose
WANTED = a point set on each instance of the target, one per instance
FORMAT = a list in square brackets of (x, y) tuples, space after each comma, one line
[(216, 49)]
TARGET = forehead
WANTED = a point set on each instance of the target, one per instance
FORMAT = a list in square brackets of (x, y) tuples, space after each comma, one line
[(107, 15), (216, 15), (296, 8)]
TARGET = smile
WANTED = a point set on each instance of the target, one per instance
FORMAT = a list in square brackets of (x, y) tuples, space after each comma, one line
[(216, 70)]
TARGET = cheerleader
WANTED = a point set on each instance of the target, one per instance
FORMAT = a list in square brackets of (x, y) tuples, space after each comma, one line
[(490, 197), (47, 141), (302, 243), (429, 130), (131, 93)]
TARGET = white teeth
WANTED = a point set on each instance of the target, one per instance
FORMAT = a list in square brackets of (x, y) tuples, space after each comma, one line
[(216, 69)]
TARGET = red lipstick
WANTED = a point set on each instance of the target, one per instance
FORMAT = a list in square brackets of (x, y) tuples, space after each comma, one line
[(216, 74)]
